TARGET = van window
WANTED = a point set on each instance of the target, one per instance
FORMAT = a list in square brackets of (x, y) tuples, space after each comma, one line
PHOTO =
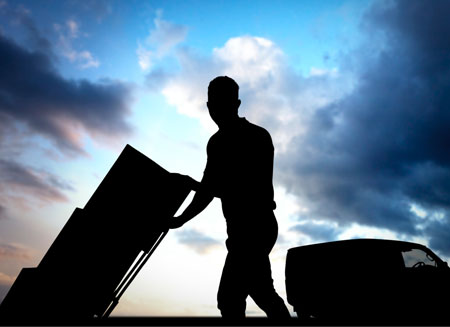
[(414, 256)]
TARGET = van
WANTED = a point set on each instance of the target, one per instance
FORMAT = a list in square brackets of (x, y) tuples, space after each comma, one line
[(368, 281)]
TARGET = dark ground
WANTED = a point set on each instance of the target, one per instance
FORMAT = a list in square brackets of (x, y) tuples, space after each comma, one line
[(207, 321)]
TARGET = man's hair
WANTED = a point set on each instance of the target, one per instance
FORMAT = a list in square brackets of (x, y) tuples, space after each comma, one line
[(223, 86)]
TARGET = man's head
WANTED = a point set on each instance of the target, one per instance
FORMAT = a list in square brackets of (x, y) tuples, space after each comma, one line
[(223, 100)]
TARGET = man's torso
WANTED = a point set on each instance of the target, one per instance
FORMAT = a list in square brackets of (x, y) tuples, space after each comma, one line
[(239, 168)]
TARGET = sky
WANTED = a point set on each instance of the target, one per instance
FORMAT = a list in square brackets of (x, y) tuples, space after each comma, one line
[(355, 94)]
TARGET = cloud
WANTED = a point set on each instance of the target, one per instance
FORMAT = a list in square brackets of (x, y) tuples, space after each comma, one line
[(366, 157), (14, 251), (41, 111), (161, 40), (67, 33), (33, 93), (198, 241), (272, 94), (166, 35), (73, 28), (98, 8), (357, 144), (440, 235), (26, 181), (318, 231), (145, 57), (314, 71), (86, 58), (20, 16)]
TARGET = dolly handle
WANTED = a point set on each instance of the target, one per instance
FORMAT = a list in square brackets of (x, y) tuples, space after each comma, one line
[(132, 275)]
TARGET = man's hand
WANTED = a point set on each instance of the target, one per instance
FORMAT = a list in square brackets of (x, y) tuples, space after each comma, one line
[(199, 202), (175, 222), (185, 179)]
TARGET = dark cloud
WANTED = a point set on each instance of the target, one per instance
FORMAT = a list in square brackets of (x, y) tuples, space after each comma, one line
[(33, 92), (196, 240), (368, 156), (440, 231), (20, 16), (36, 103), (321, 232), (42, 185)]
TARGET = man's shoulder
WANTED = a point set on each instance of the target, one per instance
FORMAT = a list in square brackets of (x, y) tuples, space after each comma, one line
[(256, 130), (245, 130)]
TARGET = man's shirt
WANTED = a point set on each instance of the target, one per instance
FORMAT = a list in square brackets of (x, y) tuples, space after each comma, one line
[(240, 167)]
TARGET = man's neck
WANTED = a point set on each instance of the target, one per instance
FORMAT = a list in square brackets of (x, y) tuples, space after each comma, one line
[(231, 124)]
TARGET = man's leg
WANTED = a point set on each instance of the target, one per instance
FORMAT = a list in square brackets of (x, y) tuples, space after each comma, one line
[(232, 289), (262, 290)]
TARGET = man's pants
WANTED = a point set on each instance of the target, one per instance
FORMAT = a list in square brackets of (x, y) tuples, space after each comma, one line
[(247, 271)]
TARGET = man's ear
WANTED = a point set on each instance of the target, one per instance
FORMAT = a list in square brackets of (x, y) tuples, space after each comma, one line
[(238, 103), (207, 104)]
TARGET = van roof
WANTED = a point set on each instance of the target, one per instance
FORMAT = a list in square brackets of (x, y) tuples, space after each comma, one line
[(365, 243)]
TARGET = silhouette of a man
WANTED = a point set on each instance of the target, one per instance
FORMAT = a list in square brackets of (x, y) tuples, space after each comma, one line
[(239, 172)]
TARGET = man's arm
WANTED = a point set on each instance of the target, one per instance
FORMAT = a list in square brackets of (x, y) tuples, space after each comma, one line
[(203, 196), (201, 200), (187, 180)]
